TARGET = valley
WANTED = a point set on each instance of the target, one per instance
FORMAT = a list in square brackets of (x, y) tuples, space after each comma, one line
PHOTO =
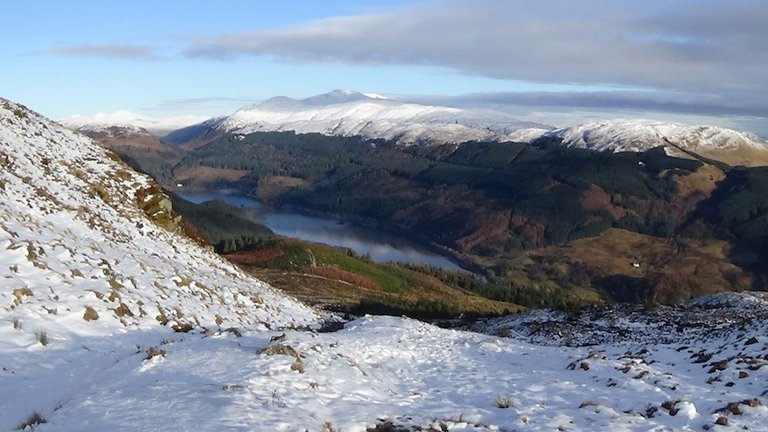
[(540, 218), (335, 277), (106, 285)]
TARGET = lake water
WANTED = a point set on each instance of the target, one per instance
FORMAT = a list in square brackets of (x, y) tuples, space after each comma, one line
[(380, 246)]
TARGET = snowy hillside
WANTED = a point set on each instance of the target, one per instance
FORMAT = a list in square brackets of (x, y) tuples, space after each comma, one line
[(421, 378), (640, 135), (80, 261), (92, 288), (349, 113), (158, 126), (72, 228)]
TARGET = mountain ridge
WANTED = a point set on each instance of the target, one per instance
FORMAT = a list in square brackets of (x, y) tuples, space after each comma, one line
[(351, 113), (636, 135)]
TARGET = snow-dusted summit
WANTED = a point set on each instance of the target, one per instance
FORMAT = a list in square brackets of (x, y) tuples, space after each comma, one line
[(350, 113), (726, 145)]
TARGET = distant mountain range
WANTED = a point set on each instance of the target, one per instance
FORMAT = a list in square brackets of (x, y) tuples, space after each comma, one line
[(350, 113)]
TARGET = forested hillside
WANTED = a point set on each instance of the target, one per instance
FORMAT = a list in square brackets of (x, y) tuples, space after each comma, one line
[(537, 218)]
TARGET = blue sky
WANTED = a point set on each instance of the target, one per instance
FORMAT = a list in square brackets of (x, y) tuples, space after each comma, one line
[(550, 60)]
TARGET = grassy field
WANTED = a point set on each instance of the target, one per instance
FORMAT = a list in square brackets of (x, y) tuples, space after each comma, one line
[(322, 275)]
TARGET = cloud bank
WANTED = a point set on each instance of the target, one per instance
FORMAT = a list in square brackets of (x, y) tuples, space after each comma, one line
[(117, 51), (670, 102), (702, 46), (692, 57)]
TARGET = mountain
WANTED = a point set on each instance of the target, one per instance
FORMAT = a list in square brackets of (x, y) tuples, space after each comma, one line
[(349, 113), (113, 321), (158, 126), (720, 144), (136, 146), (89, 262), (80, 228), (126, 138)]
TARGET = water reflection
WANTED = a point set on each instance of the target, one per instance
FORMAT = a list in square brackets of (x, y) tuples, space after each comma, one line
[(380, 246)]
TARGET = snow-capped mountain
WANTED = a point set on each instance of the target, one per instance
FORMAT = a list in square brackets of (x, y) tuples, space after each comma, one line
[(156, 125), (726, 145), (349, 113)]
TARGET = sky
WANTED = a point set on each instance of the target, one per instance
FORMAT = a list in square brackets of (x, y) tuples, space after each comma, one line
[(554, 61)]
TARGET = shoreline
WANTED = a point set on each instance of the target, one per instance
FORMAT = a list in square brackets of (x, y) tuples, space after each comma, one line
[(463, 263)]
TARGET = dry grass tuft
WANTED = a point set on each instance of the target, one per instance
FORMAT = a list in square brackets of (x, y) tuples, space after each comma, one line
[(123, 310), (182, 328), (280, 350), (20, 293), (153, 352), (42, 337), (504, 401), (90, 314), (329, 427)]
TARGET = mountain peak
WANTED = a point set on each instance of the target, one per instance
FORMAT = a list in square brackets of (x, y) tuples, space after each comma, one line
[(335, 97)]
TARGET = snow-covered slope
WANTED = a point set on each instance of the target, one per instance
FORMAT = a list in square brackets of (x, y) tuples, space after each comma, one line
[(714, 142), (83, 269), (349, 113), (420, 377), (157, 126), (73, 235)]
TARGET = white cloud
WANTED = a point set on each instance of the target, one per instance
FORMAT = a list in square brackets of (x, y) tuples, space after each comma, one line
[(120, 51), (692, 46)]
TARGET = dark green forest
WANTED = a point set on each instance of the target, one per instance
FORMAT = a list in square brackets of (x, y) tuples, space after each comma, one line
[(489, 201), (373, 181)]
